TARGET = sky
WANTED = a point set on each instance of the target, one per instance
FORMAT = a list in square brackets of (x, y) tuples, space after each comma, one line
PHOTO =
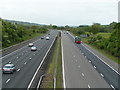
[(60, 12)]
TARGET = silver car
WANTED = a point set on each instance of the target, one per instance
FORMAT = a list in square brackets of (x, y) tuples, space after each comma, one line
[(33, 48), (47, 38), (8, 68), (30, 44)]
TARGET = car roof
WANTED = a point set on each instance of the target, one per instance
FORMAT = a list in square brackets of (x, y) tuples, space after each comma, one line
[(9, 65), (33, 47)]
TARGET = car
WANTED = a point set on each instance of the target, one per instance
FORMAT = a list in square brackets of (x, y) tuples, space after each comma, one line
[(8, 68), (42, 37), (33, 48), (30, 44), (47, 38)]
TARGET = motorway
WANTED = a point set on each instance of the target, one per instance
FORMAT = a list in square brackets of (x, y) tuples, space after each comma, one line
[(81, 72), (26, 62)]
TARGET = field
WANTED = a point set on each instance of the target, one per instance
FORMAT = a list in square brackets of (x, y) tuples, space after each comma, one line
[(105, 35)]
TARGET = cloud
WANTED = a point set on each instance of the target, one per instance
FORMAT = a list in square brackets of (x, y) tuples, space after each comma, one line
[(61, 12)]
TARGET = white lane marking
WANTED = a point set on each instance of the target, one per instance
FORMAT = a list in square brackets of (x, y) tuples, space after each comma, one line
[(112, 87), (79, 66), (18, 70), (89, 86), (9, 62), (7, 81), (94, 66), (89, 61), (101, 60), (30, 58), (0, 68), (83, 74), (98, 57), (16, 57), (85, 56), (63, 65), (25, 63), (101, 74), (40, 65), (34, 54)]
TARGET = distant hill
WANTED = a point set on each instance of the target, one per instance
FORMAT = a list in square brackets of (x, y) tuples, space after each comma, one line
[(24, 23)]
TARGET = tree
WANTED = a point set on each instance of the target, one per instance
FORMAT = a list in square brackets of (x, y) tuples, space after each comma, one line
[(95, 28)]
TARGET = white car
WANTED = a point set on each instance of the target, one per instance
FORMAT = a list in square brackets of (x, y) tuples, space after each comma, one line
[(33, 48), (30, 44), (8, 68), (47, 38)]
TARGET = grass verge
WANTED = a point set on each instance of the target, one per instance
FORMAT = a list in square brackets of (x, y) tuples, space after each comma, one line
[(113, 58)]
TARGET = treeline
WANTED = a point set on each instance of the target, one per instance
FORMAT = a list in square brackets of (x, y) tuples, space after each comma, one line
[(111, 44), (13, 33)]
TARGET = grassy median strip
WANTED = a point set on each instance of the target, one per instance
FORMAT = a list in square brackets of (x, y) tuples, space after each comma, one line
[(59, 79), (48, 81)]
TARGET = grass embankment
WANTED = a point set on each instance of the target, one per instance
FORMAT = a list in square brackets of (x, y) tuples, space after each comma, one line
[(48, 81), (107, 54)]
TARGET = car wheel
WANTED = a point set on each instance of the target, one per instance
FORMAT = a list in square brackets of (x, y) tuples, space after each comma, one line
[(11, 72)]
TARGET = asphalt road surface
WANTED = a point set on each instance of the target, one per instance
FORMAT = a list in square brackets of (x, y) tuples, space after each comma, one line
[(78, 71), (26, 62)]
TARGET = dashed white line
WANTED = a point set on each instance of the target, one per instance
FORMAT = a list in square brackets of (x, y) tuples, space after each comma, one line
[(101, 74), (9, 62), (30, 58), (83, 74), (89, 61), (79, 66), (94, 66), (25, 63), (7, 80), (16, 57), (18, 70), (89, 86)]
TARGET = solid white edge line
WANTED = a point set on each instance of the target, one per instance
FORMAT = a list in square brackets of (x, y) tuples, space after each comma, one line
[(63, 68), (99, 58), (7, 81), (40, 65), (18, 49)]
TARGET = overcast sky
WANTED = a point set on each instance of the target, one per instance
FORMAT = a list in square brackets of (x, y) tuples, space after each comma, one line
[(60, 12)]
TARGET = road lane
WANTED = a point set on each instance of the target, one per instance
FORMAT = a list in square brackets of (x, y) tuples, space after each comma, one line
[(26, 63), (79, 73), (110, 74)]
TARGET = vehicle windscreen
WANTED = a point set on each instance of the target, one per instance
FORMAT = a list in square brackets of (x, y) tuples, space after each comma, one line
[(7, 66)]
